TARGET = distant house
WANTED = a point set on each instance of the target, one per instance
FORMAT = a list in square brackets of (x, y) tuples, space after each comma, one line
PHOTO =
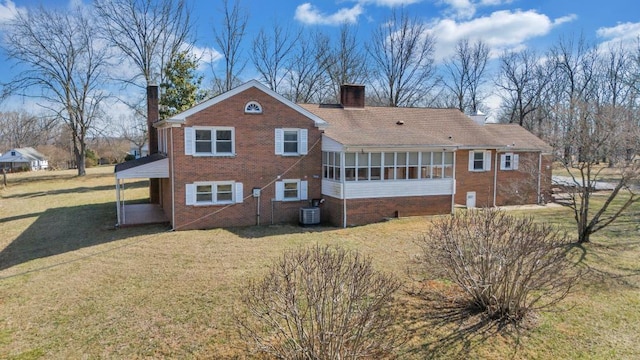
[(23, 159), (250, 156), (138, 152)]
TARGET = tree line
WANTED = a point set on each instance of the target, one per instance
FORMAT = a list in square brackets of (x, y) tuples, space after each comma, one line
[(569, 90)]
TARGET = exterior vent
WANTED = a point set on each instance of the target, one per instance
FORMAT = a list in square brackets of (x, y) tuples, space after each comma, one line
[(310, 216)]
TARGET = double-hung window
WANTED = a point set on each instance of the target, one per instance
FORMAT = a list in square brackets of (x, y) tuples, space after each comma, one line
[(291, 190), (291, 142), (509, 161), (214, 193), (209, 141), (479, 160)]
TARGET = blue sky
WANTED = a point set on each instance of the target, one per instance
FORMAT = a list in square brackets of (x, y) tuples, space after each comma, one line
[(502, 24)]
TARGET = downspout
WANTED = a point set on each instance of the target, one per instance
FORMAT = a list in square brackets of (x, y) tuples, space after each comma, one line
[(258, 210), (117, 199), (124, 213), (540, 200), (495, 178), (344, 194), (453, 193), (173, 184)]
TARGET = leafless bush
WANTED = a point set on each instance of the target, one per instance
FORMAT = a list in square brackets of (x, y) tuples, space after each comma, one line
[(321, 303), (507, 265)]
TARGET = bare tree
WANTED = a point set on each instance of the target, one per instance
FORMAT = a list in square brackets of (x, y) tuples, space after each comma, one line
[(348, 63), (21, 129), (308, 80), (466, 73), (149, 33), (228, 39), (605, 130), (523, 79), (64, 62), (134, 129), (271, 54), (401, 53), (573, 89)]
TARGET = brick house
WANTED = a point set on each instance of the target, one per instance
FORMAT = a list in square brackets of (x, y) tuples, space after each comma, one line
[(252, 157)]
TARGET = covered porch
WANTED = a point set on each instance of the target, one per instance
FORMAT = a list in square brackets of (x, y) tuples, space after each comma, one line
[(155, 166)]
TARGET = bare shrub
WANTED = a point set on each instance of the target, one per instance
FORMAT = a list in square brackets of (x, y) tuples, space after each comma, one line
[(321, 303), (507, 265)]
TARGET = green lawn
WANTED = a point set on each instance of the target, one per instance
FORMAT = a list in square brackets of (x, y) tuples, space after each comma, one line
[(72, 286)]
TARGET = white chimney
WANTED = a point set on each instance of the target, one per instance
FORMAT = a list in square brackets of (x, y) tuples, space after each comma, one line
[(478, 117)]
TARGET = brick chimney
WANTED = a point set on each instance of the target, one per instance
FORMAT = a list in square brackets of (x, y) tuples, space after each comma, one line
[(153, 115), (352, 96)]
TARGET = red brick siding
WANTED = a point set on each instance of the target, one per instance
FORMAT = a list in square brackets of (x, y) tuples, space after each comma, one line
[(514, 187), (366, 211), (519, 187), (165, 197), (255, 164), (481, 182)]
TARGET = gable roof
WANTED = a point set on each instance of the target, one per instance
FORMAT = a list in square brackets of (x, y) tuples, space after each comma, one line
[(22, 155), (181, 117)]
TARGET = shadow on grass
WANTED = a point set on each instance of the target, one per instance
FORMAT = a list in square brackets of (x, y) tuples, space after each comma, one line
[(61, 230), (452, 326), (19, 217), (602, 262), (78, 190), (256, 232)]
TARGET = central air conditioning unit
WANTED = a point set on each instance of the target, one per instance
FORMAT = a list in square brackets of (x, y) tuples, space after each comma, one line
[(310, 216)]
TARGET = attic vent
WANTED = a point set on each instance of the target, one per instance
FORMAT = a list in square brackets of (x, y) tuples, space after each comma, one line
[(399, 122), (253, 107)]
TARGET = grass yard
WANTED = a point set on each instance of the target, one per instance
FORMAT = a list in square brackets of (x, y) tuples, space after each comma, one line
[(71, 286)]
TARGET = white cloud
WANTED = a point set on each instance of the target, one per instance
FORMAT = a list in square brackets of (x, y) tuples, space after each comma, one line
[(309, 14), (466, 9), (205, 56), (8, 11), (625, 33), (564, 19), (501, 30), (494, 2), (389, 3)]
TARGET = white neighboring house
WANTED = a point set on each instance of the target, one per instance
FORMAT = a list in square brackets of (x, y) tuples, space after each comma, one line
[(137, 152), (23, 159)]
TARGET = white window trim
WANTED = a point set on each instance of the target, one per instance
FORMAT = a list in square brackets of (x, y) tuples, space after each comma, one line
[(486, 164), (236, 193), (190, 140), (250, 103), (302, 190), (515, 159), (442, 165), (303, 135)]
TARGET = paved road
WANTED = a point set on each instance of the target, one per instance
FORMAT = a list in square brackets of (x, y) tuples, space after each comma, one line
[(599, 185)]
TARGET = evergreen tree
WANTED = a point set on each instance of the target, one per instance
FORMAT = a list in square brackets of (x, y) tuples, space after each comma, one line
[(181, 86)]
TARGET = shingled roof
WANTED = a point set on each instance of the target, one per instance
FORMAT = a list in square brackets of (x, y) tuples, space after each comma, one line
[(517, 137), (419, 127), (138, 162)]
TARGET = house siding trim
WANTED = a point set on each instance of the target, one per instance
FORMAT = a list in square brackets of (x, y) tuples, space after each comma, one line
[(388, 188)]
